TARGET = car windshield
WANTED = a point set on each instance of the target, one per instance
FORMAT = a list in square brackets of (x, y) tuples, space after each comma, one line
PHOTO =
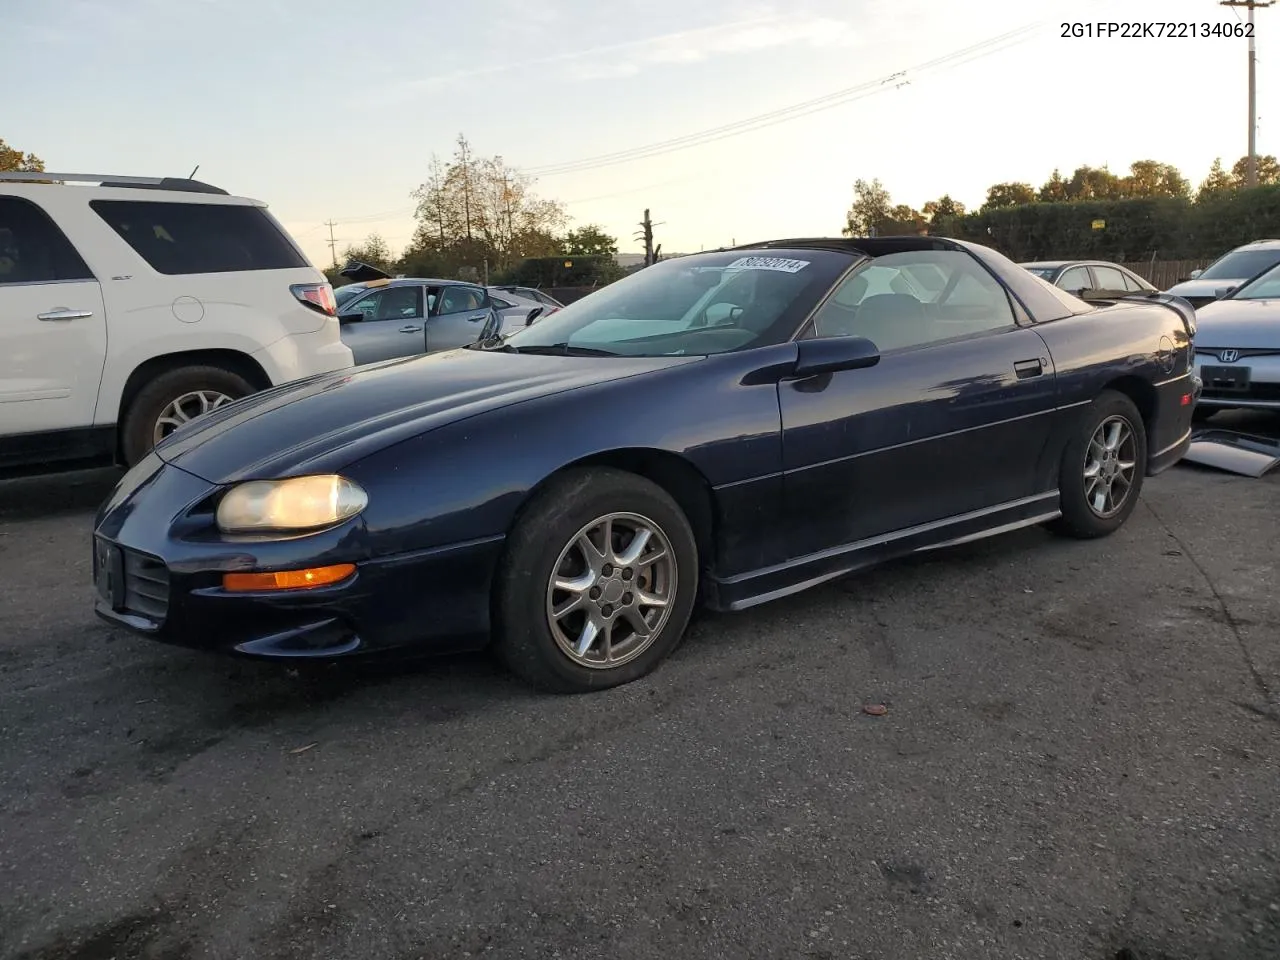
[(1265, 287), (1044, 273), (1241, 263), (692, 306)]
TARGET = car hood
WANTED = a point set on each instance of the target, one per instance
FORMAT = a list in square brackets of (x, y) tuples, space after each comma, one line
[(1201, 288), (323, 423), (1243, 324)]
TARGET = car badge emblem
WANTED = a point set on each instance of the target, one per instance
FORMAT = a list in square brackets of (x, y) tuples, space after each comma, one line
[(1229, 356)]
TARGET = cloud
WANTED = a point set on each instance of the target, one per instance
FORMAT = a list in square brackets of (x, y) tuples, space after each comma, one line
[(697, 46), (763, 29)]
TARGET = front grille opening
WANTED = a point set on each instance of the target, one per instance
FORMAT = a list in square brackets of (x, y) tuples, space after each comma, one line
[(146, 586)]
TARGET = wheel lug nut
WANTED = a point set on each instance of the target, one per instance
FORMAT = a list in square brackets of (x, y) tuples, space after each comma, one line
[(627, 598), (608, 610), (595, 593), (627, 574), (607, 571)]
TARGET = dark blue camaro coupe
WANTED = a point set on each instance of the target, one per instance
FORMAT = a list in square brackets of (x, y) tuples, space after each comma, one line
[(724, 428)]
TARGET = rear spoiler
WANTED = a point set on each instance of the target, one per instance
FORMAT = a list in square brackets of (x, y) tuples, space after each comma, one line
[(1178, 305)]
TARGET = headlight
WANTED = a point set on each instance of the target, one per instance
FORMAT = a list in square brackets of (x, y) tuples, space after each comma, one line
[(295, 504)]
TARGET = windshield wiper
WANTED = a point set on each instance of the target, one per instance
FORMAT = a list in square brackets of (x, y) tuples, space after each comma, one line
[(561, 349)]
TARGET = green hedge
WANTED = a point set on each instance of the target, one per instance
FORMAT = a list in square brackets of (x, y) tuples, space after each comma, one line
[(1162, 228)]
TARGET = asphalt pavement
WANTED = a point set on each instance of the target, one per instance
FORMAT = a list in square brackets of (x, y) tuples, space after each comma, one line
[(1079, 758)]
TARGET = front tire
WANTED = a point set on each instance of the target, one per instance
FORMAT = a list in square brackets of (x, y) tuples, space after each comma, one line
[(172, 399), (597, 583), (1103, 468)]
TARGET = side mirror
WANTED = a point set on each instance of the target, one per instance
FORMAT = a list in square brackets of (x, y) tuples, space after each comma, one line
[(1222, 291), (832, 354), (1195, 274), (355, 317)]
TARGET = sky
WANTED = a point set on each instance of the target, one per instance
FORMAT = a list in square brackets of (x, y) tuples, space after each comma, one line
[(330, 111)]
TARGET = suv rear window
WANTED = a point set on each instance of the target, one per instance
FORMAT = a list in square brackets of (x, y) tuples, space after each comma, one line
[(183, 238)]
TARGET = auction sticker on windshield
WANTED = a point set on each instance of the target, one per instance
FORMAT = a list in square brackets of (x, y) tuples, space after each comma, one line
[(768, 263)]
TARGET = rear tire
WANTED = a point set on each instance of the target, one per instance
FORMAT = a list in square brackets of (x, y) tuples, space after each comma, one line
[(161, 406), (573, 613), (1103, 467)]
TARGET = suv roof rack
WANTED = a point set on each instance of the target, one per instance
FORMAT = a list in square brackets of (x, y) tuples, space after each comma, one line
[(178, 184)]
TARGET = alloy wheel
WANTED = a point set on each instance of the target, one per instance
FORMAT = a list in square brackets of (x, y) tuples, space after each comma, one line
[(186, 408), (1109, 465), (611, 590)]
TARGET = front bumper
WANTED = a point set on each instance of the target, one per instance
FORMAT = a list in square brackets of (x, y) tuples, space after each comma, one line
[(1249, 383), (158, 565)]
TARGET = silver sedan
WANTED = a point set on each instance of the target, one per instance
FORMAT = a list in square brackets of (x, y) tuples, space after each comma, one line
[(1237, 347)]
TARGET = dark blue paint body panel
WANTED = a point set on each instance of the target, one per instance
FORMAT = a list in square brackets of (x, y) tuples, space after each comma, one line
[(800, 479)]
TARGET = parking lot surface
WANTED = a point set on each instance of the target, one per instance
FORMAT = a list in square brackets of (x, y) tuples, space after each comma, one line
[(1080, 758)]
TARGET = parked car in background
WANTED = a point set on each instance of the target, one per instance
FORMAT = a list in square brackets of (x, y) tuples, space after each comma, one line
[(799, 420), (406, 316), (531, 293), (515, 312), (1077, 276), (1227, 272), (131, 306), (1238, 348)]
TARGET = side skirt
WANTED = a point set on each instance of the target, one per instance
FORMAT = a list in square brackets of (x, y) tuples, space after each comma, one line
[(772, 583)]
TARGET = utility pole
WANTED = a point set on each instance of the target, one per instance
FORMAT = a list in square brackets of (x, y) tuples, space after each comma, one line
[(1251, 168), (333, 244), (646, 227)]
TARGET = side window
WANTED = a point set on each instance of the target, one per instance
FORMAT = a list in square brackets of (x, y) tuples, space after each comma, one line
[(1131, 282), (460, 300), (1075, 280), (1109, 278), (389, 303), (186, 238), (33, 249), (886, 302)]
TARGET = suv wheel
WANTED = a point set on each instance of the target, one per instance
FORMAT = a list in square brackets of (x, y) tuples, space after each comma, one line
[(174, 399)]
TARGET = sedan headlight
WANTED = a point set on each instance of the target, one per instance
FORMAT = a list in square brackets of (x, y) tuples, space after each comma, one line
[(296, 504)]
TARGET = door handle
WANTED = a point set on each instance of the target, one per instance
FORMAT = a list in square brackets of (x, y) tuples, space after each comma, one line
[(1028, 368), (62, 313), (410, 328), (478, 317)]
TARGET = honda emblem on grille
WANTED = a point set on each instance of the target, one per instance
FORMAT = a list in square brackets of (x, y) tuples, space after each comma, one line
[(1229, 356)]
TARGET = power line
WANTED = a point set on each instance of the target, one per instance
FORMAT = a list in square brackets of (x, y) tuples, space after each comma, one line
[(827, 101)]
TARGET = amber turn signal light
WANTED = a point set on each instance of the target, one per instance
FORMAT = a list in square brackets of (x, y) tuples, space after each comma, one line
[(288, 579)]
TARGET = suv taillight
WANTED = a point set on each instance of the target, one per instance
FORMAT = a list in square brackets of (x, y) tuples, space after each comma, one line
[(317, 296)]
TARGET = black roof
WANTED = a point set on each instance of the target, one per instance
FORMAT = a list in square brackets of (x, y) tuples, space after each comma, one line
[(855, 246)]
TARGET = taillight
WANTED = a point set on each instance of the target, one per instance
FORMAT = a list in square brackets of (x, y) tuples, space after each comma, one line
[(317, 296)]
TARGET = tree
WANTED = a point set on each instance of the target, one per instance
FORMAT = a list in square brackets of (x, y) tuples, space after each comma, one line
[(1054, 189), (1008, 195), (1268, 171), (478, 209), (589, 241), (870, 210), (1147, 178), (1094, 183), (1217, 182), (15, 161), (943, 207), (373, 251)]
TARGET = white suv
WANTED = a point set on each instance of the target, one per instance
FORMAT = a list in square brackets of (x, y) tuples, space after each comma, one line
[(134, 305)]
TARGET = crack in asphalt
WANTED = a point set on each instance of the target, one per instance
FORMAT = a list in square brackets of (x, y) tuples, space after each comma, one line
[(1258, 679)]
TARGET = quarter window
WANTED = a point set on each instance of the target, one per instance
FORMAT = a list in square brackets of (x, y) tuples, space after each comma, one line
[(911, 299), (187, 238), (33, 249)]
